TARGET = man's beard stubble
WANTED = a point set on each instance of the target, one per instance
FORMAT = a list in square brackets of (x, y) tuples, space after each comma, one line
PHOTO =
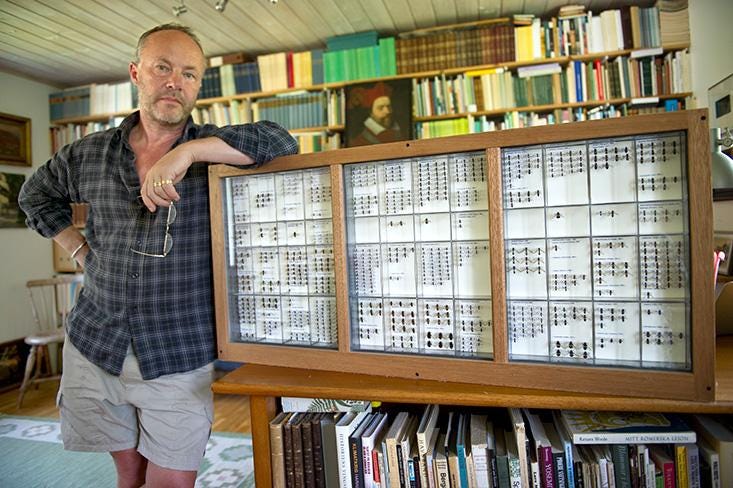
[(148, 103)]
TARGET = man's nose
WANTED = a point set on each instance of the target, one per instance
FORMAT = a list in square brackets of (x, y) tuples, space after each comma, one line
[(174, 81)]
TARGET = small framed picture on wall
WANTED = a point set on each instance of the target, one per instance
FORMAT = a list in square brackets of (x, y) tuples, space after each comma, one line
[(15, 140), (724, 243)]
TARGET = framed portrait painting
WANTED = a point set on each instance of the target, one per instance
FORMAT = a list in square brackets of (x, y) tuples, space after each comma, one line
[(378, 112), (724, 243), (15, 140)]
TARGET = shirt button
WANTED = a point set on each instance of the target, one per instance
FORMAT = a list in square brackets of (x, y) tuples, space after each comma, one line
[(134, 276), (138, 243)]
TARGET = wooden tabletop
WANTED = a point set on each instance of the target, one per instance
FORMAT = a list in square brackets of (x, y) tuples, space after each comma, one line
[(259, 380)]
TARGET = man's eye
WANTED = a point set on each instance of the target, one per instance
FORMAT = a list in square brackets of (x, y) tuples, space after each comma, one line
[(162, 68), (189, 76)]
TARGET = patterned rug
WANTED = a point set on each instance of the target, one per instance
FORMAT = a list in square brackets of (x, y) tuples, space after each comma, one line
[(31, 456)]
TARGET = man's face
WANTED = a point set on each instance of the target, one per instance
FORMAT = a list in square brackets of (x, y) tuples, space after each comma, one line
[(168, 76), (382, 111)]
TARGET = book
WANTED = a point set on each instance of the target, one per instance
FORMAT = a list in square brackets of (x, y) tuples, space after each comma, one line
[(308, 459), (355, 453), (368, 442), (440, 462), (621, 465), (709, 464), (665, 465), (391, 439), (542, 448), (424, 433), (345, 426), (317, 442), (479, 449), (502, 462), (520, 435), (277, 450), (596, 427), (430, 457), (328, 442), (721, 439), (298, 449), (296, 404)]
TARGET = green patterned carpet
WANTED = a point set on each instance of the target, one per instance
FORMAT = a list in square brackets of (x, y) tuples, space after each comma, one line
[(31, 456)]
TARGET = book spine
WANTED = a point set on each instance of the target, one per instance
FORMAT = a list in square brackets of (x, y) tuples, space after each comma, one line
[(621, 466)]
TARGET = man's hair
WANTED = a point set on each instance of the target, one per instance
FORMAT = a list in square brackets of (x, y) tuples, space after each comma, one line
[(165, 27)]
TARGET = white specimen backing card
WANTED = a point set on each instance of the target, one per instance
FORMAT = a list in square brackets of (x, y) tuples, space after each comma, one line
[(471, 260), (526, 265), (571, 331), (615, 267), (473, 325), (280, 268), (568, 268), (527, 327), (661, 218), (525, 223), (470, 225), (659, 168), (566, 175), (567, 221), (612, 171), (417, 239), (614, 220), (664, 338), (617, 332), (601, 226)]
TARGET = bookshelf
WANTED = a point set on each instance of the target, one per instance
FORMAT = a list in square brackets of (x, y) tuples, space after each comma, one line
[(264, 384), (348, 370), (455, 51)]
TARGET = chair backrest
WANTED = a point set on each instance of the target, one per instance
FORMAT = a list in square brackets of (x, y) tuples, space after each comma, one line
[(52, 299)]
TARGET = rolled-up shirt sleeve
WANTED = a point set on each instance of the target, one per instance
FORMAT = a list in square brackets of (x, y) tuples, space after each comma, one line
[(263, 141), (46, 195)]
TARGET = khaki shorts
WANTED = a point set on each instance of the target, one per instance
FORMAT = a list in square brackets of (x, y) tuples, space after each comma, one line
[(167, 419)]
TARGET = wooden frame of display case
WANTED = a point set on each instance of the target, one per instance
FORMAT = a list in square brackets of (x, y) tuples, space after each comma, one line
[(697, 384)]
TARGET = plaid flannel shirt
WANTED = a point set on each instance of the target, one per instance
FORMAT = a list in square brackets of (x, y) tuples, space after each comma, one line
[(162, 306)]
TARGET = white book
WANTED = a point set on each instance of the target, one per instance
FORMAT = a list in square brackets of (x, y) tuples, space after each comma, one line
[(368, 441), (440, 463), (479, 449), (344, 428), (429, 457), (391, 439), (424, 433), (406, 445), (520, 435)]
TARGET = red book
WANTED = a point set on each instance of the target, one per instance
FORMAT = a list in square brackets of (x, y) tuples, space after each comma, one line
[(291, 74), (665, 464), (599, 79)]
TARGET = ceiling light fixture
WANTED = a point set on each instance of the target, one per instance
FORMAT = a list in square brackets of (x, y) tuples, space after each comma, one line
[(179, 9), (221, 5)]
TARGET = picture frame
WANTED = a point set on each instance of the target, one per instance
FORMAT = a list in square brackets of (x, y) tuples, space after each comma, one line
[(11, 215), (724, 242), (378, 112), (15, 140)]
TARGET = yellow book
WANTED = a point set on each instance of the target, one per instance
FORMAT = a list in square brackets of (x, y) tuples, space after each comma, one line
[(523, 50), (680, 451)]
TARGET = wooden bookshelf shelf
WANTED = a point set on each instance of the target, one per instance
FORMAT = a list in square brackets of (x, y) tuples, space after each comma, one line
[(546, 108), (263, 384)]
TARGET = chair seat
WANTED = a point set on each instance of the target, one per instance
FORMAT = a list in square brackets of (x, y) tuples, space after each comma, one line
[(44, 338)]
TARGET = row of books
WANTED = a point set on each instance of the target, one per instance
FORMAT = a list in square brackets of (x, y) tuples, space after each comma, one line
[(292, 110), (361, 63), (499, 448), (230, 79), (317, 141), (623, 77), (68, 133), (630, 27), (473, 124)]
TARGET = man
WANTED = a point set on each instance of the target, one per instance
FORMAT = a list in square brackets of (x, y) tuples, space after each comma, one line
[(380, 126), (138, 359)]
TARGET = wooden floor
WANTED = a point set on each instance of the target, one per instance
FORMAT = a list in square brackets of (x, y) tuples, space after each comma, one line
[(231, 412)]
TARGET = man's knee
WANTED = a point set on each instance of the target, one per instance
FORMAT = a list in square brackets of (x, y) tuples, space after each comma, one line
[(131, 467)]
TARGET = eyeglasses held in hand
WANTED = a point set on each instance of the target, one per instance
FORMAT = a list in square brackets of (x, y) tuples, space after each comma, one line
[(168, 240)]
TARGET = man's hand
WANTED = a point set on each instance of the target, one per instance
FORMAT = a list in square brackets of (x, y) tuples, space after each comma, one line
[(157, 189)]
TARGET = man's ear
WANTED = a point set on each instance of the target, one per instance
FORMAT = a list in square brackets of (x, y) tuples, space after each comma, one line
[(134, 72)]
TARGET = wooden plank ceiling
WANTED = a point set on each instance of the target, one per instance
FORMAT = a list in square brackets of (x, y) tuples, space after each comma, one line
[(73, 42)]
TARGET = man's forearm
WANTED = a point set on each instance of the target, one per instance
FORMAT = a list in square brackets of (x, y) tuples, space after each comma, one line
[(216, 150)]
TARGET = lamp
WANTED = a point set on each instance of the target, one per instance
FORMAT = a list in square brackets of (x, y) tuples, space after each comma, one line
[(179, 9), (721, 136), (221, 5)]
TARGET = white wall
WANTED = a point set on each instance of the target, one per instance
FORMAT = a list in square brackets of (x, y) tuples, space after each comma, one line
[(25, 254), (710, 43)]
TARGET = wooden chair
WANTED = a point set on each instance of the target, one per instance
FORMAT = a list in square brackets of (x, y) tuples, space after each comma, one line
[(51, 301)]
